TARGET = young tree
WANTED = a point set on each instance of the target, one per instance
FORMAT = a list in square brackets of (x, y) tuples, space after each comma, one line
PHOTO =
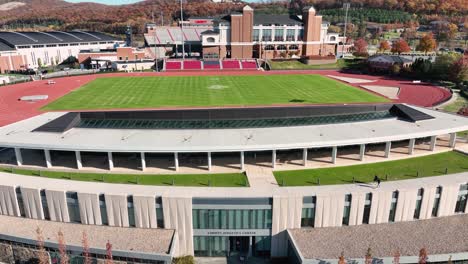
[(396, 257), (422, 256), (85, 242), (43, 256), (384, 46), (62, 248), (427, 43), (341, 259), (400, 46), (458, 71), (109, 253), (360, 48), (368, 258)]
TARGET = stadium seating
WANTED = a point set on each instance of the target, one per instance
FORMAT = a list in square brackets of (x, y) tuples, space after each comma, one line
[(211, 65), (192, 65), (231, 65), (249, 65), (173, 65)]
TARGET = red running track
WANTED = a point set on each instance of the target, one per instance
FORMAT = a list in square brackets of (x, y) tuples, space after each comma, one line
[(13, 110)]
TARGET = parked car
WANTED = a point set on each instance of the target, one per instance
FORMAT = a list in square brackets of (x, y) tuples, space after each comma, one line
[(459, 50)]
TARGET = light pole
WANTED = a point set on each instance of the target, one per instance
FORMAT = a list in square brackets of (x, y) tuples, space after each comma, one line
[(346, 7), (182, 29)]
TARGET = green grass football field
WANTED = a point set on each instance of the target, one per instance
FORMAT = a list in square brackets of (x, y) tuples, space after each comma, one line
[(198, 91)]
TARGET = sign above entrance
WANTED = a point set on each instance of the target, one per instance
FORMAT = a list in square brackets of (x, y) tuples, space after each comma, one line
[(231, 232)]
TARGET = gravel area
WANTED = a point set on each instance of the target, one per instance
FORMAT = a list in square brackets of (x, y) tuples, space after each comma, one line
[(439, 236), (350, 79), (387, 91), (124, 239)]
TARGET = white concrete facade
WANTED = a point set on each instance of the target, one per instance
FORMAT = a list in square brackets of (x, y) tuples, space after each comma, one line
[(177, 203)]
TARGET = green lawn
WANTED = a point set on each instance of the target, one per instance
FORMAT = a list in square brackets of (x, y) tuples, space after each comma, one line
[(153, 92), (198, 180), (431, 165), (297, 65)]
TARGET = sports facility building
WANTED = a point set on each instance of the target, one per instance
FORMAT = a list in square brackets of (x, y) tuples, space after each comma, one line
[(263, 219), (245, 35), (29, 50)]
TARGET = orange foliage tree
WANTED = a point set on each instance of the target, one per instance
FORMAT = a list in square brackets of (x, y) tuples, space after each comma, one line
[(427, 43), (400, 46)]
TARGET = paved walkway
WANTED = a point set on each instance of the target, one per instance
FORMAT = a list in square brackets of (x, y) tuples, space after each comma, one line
[(260, 176)]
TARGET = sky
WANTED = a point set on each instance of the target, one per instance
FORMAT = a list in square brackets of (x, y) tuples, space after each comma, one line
[(119, 2)]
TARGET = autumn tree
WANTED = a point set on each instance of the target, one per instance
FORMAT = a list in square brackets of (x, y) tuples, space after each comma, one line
[(458, 71), (423, 256), (368, 257), (341, 259), (85, 243), (384, 46), (360, 48), (109, 253), (427, 43), (400, 46), (396, 257), (62, 248), (43, 256)]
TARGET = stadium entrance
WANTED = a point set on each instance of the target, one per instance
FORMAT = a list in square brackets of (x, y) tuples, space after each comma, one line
[(236, 247)]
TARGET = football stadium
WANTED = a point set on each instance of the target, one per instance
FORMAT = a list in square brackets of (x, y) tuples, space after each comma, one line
[(240, 165)]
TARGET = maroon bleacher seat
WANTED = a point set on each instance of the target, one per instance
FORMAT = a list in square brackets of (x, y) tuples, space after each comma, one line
[(231, 64), (173, 65), (192, 65), (249, 64)]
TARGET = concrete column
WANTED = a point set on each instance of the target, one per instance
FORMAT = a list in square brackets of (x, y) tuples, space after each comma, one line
[(143, 161), (334, 154), (249, 254), (362, 152), (453, 140), (111, 160), (304, 157), (209, 161), (48, 159), (388, 147), (19, 157), (433, 143), (273, 158), (412, 142), (79, 164), (176, 161), (242, 160)]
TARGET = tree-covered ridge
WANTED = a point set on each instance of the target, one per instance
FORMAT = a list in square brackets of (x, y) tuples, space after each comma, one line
[(356, 15)]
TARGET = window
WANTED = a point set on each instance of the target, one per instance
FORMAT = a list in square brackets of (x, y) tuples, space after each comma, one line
[(301, 35), (63, 45), (103, 209), (332, 38), (24, 47), (51, 45), (308, 211), (74, 44), (266, 36), (393, 206), (367, 208), (290, 33), (256, 35), (131, 211), (347, 209), (45, 207), (279, 34), (159, 212), (73, 207), (38, 46), (19, 197), (293, 47), (231, 218), (281, 47), (417, 209), (83, 44), (435, 208), (93, 43), (210, 40), (269, 47), (461, 201)]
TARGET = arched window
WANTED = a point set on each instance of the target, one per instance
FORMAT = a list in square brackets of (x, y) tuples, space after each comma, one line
[(210, 40), (281, 47), (293, 47), (332, 38), (269, 47)]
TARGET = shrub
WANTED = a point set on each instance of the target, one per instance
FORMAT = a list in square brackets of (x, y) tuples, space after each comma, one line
[(184, 260)]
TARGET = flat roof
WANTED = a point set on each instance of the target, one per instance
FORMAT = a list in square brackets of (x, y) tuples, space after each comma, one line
[(442, 235), (157, 241), (21, 134), (16, 38)]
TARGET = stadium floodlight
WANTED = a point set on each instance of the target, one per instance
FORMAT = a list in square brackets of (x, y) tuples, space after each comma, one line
[(346, 8), (182, 29)]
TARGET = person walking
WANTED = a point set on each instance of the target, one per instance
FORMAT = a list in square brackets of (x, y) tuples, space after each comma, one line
[(377, 181)]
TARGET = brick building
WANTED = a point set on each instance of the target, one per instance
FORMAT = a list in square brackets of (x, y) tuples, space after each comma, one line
[(245, 35)]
